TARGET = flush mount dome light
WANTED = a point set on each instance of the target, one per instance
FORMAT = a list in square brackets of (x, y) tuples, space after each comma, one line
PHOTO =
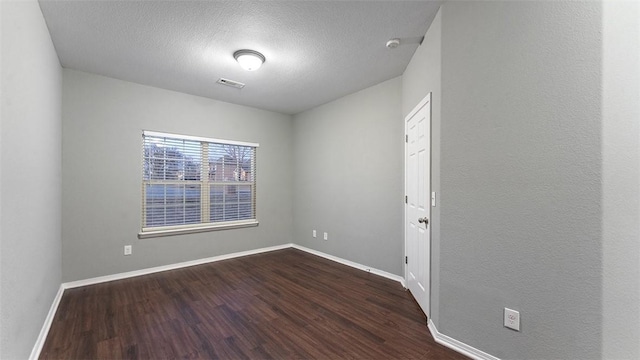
[(250, 60)]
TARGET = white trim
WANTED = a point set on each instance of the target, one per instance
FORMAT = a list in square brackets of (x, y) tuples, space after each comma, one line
[(198, 138), (458, 346), (37, 348), (417, 108), (180, 230), (42, 337), (406, 201), (385, 274), (129, 274)]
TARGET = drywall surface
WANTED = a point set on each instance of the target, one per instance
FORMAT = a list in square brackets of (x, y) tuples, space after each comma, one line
[(348, 178), (103, 120), (521, 174), (621, 180), (422, 77), (184, 45), (31, 177)]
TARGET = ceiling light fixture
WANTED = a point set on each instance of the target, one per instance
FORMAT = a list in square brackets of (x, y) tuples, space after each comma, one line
[(250, 60), (393, 43)]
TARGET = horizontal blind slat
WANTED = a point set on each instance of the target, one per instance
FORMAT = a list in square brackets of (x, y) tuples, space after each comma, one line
[(177, 192)]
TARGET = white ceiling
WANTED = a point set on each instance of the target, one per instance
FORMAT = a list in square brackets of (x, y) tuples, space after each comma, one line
[(316, 51)]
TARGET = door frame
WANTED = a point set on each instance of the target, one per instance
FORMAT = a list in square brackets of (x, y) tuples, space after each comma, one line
[(418, 107)]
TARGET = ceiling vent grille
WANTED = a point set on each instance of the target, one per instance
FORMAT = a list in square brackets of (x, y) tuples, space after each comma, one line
[(227, 82)]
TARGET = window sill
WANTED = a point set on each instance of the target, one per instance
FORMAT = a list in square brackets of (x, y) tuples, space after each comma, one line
[(198, 229)]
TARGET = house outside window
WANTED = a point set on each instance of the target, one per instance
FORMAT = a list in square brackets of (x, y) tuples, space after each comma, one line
[(193, 184)]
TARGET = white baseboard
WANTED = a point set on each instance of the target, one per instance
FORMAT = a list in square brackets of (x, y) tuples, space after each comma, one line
[(458, 346), (130, 274), (35, 353), (42, 337), (37, 348), (388, 275)]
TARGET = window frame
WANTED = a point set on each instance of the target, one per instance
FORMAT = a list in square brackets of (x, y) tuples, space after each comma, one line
[(205, 182)]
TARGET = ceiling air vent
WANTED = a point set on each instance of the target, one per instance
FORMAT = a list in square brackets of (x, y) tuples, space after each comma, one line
[(235, 84)]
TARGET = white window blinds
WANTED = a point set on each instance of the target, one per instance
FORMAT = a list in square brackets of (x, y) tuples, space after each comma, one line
[(190, 182)]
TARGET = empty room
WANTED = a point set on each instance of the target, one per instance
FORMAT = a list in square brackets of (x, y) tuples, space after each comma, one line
[(320, 179)]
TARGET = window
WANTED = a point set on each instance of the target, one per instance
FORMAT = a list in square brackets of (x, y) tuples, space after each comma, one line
[(193, 184)]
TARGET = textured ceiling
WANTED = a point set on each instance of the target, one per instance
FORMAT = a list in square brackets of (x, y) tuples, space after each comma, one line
[(316, 51)]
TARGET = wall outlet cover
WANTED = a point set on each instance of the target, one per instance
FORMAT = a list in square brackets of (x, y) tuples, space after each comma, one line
[(127, 250), (512, 319)]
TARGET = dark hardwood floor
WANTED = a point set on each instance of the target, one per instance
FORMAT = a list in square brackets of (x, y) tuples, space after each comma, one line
[(284, 304)]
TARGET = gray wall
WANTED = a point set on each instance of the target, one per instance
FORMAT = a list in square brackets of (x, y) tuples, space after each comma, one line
[(102, 123), (348, 178), (535, 139), (421, 77), (521, 177), (621, 180), (30, 177)]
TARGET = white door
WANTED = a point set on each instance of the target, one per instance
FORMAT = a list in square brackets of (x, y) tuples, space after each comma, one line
[(417, 209)]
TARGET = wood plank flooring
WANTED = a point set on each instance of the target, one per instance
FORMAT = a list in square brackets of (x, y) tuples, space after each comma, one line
[(284, 304)]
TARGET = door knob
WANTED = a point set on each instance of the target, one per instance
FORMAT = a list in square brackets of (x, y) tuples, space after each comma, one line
[(424, 220)]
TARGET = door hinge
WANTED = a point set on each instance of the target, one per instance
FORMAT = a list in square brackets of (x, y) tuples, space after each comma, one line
[(406, 138), (406, 199), (406, 259)]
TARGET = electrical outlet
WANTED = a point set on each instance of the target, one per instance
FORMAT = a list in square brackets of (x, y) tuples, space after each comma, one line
[(314, 233), (127, 249), (326, 236), (512, 319)]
